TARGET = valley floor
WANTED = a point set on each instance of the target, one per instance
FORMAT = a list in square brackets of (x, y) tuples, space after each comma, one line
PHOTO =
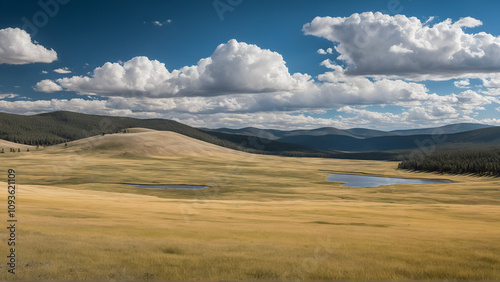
[(264, 218)]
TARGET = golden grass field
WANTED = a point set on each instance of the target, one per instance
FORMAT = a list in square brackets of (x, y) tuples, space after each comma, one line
[(264, 217)]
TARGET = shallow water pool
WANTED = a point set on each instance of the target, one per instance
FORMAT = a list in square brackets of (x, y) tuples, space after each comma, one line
[(354, 180)]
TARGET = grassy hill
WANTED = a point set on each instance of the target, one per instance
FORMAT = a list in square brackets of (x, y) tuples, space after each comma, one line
[(147, 142), (62, 126)]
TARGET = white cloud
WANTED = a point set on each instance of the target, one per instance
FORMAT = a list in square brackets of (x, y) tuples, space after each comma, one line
[(77, 105), (62, 70), (47, 86), (471, 100), (234, 68), (16, 48), (243, 85), (377, 44), (324, 52), (491, 91), (491, 81), (334, 90), (275, 120), (464, 83), (162, 23), (344, 89), (8, 96), (192, 111), (399, 49), (430, 19), (215, 86), (45, 72), (414, 117), (239, 68)]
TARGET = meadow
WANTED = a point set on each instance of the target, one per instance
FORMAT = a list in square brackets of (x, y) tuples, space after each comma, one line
[(263, 217)]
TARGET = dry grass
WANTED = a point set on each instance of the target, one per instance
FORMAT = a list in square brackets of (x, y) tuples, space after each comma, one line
[(264, 218), (146, 142), (6, 145)]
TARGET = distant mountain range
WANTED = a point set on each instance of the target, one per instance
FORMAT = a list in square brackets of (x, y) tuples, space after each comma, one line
[(354, 132), (489, 136), (365, 140), (357, 143)]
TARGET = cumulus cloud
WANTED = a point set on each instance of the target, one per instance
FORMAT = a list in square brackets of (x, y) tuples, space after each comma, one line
[(399, 49), (234, 68), (17, 48), (226, 112), (243, 85), (378, 44), (324, 52), (215, 86), (288, 93), (62, 70), (464, 83), (491, 91), (8, 96), (47, 86), (77, 105), (491, 81), (413, 117), (239, 68)]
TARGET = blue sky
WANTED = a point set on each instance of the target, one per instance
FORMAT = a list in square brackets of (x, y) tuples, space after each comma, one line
[(234, 63)]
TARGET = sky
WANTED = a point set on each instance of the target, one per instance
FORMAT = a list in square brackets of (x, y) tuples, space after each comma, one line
[(281, 64)]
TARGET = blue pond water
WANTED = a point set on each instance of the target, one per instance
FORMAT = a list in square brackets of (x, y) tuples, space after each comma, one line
[(168, 186), (353, 180)]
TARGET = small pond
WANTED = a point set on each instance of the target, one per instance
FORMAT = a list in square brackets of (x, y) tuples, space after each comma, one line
[(353, 180), (146, 186)]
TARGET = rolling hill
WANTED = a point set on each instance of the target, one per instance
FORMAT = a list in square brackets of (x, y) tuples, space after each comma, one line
[(6, 145), (148, 142), (62, 126), (357, 143)]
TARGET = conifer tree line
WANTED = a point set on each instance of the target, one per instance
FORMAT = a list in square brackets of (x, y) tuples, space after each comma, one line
[(484, 161)]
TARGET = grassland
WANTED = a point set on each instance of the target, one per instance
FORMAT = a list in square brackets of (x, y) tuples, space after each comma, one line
[(264, 218)]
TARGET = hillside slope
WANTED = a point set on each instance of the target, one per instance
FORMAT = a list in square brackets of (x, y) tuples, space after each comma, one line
[(147, 142), (6, 145), (59, 127)]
